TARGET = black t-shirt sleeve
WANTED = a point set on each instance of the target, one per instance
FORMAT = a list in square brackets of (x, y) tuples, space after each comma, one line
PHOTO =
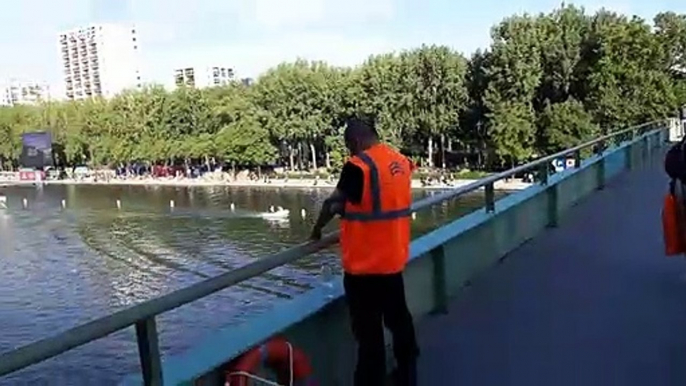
[(351, 183)]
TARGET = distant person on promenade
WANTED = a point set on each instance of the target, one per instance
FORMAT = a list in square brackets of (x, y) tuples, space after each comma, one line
[(373, 198)]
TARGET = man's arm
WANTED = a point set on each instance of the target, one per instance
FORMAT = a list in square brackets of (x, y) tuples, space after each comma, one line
[(349, 188), (330, 208)]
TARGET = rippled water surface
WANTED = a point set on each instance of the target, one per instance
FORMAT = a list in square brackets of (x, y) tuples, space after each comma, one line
[(60, 267)]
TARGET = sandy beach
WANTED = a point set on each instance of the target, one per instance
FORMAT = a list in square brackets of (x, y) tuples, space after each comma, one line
[(513, 184)]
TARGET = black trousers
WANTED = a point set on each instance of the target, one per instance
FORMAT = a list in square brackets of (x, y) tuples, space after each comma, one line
[(375, 300)]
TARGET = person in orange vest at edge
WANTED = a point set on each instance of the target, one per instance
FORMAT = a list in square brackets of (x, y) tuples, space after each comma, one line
[(373, 198), (674, 207)]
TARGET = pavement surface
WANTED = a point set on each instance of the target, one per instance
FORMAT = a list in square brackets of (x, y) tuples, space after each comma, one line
[(592, 302)]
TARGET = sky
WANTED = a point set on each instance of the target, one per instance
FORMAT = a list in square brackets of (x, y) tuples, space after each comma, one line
[(253, 35)]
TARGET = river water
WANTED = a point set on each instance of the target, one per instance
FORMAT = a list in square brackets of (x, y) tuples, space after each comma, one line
[(63, 266)]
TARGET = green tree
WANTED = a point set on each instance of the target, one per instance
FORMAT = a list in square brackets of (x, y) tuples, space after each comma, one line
[(628, 83), (515, 73), (242, 140), (547, 82), (439, 95), (566, 124)]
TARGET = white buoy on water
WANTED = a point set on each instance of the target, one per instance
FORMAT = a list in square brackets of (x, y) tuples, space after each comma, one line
[(25, 202), (303, 213), (233, 207), (64, 203), (278, 214), (172, 204), (118, 204), (3, 202)]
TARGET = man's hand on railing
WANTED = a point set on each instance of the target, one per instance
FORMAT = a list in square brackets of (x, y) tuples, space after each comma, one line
[(316, 234)]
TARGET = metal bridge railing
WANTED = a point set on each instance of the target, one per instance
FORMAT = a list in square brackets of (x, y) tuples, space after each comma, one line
[(143, 315)]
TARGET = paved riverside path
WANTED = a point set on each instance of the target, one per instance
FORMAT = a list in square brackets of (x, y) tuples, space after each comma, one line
[(593, 302)]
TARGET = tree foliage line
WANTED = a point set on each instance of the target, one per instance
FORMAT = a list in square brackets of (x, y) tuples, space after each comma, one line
[(547, 82)]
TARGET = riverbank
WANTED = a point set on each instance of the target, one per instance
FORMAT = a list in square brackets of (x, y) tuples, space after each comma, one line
[(513, 184)]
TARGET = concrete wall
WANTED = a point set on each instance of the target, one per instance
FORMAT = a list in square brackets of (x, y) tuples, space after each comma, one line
[(443, 261)]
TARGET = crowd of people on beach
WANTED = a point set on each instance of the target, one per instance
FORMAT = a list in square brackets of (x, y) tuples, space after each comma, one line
[(177, 175)]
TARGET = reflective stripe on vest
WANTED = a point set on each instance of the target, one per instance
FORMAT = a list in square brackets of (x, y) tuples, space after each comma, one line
[(375, 188)]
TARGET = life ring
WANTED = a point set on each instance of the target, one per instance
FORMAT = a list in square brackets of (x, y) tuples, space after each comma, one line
[(291, 365)]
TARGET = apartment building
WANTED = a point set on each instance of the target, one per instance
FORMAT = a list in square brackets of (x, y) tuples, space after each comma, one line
[(203, 76), (99, 60), (16, 92)]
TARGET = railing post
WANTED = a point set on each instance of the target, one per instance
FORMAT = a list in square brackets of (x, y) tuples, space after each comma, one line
[(577, 159), (440, 286), (628, 162), (543, 173), (149, 352), (630, 151), (553, 216), (645, 152), (600, 176), (490, 197)]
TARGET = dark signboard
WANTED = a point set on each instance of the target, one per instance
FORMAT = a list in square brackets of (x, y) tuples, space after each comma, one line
[(36, 150)]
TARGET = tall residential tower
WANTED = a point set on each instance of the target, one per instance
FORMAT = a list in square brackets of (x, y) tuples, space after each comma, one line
[(99, 60)]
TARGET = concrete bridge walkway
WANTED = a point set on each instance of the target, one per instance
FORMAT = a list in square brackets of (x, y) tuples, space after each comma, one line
[(593, 302)]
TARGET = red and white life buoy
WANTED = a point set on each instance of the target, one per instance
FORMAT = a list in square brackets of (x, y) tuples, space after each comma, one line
[(291, 365)]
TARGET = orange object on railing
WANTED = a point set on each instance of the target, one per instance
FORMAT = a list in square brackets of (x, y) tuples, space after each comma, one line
[(671, 229)]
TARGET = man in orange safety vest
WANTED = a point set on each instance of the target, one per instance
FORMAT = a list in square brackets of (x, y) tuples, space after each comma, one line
[(373, 197)]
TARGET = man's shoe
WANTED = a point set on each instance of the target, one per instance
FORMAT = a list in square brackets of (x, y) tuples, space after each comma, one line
[(405, 376)]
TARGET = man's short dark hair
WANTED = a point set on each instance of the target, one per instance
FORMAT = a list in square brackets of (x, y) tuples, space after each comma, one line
[(360, 127)]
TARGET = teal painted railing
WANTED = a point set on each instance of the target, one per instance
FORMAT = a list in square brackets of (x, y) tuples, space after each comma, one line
[(143, 315)]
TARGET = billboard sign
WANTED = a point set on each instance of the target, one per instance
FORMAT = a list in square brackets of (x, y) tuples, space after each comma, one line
[(36, 150)]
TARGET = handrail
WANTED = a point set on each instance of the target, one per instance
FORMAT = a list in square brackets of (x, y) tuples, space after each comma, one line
[(543, 161), (52, 346)]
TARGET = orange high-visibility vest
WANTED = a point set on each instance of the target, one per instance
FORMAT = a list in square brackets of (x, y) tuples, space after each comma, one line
[(672, 229), (375, 234)]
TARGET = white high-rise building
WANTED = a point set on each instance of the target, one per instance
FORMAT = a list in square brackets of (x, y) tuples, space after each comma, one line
[(99, 60), (203, 76), (17, 92)]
